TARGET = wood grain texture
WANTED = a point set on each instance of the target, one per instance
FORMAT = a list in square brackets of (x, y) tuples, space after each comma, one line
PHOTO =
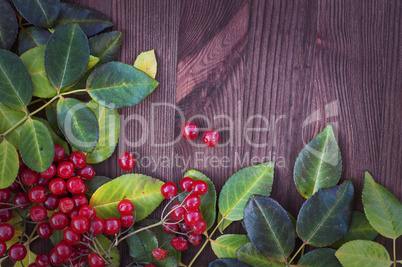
[(296, 65)]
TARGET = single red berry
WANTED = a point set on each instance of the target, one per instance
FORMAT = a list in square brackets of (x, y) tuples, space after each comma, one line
[(98, 226), (66, 204), (15, 187), (42, 260), (5, 195), (150, 265), (189, 130), (51, 202), (58, 221), (57, 186), (37, 194), (75, 185), (125, 207), (73, 213), (200, 227), (17, 252), (54, 259), (179, 243), (192, 217), (80, 200), (50, 172), (6, 232), (3, 248), (211, 138), (112, 226), (170, 227), (126, 161), (185, 228), (65, 169), (5, 213), (169, 190), (63, 250), (127, 220), (194, 239), (200, 187), (95, 260), (159, 254), (186, 184), (78, 159), (43, 182), (177, 212), (22, 200), (44, 230), (87, 211), (192, 202), (59, 153), (80, 224), (38, 213), (28, 177), (70, 236), (86, 173)]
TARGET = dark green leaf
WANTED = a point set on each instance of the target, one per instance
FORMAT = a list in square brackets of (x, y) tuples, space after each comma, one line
[(8, 118), (51, 115), (95, 183), (227, 263), (322, 257), (15, 81), (90, 21), (56, 139), (225, 246), (249, 255), (36, 146), (114, 253), (78, 124), (325, 216), (32, 37), (41, 13), (117, 85), (319, 164), (56, 237), (66, 56), (269, 228), (293, 220), (106, 46), (141, 245), (8, 25), (9, 164)]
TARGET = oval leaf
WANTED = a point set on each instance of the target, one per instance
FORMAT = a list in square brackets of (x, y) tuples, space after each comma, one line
[(90, 21), (237, 190), (322, 257), (32, 37), (118, 85), (319, 164), (66, 56), (8, 118), (114, 253), (15, 81), (269, 228), (8, 25), (225, 246), (36, 146), (56, 139), (78, 124), (9, 164), (146, 61), (142, 190), (106, 46), (249, 255), (41, 13), (227, 263), (51, 115), (140, 245), (363, 253), (95, 183), (382, 208), (325, 217)]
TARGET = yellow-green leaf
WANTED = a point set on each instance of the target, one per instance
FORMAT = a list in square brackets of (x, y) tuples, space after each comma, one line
[(225, 246), (8, 118), (114, 253), (30, 258), (249, 255), (9, 164), (146, 61)]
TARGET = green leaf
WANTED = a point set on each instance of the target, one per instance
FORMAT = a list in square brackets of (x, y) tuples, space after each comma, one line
[(359, 228), (114, 253), (382, 208), (95, 183), (8, 25), (41, 13), (118, 85), (225, 246), (78, 124), (170, 261), (90, 21), (325, 216), (322, 257), (249, 255), (140, 245), (293, 220), (237, 190), (56, 237), (363, 253), (319, 164), (142, 190), (224, 224), (146, 61), (8, 118), (109, 128), (269, 228), (56, 139), (15, 81), (106, 46), (9, 164), (93, 61), (227, 263), (66, 56), (36, 145), (51, 115), (32, 37), (208, 200)]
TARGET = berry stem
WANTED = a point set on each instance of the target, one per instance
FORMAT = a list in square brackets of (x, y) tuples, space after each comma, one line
[(297, 252), (199, 252), (394, 250), (140, 230)]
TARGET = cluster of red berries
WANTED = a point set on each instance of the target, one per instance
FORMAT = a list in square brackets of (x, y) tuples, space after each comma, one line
[(190, 131)]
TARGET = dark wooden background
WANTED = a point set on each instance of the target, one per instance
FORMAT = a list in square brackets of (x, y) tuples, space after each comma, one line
[(314, 62)]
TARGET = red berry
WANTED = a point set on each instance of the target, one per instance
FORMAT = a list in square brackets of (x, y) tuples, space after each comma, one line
[(5, 213), (70, 236), (179, 243), (192, 202), (125, 207), (59, 153), (54, 259), (170, 227), (22, 200), (127, 220), (73, 213), (57, 186), (112, 226), (42, 260), (75, 185), (51, 202), (169, 190), (98, 226), (192, 217), (200, 227), (189, 130), (58, 221), (17, 252), (50, 172), (211, 138), (80, 200), (78, 159), (177, 212), (15, 187), (126, 161), (87, 211), (63, 250), (28, 177), (95, 260), (66, 204), (5, 195), (200, 187), (3, 248), (84, 189), (6, 232), (185, 228), (43, 182), (38, 213), (65, 169), (194, 238), (86, 172), (80, 224), (83, 249), (37, 194), (159, 254), (186, 184), (150, 265), (44, 230)]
